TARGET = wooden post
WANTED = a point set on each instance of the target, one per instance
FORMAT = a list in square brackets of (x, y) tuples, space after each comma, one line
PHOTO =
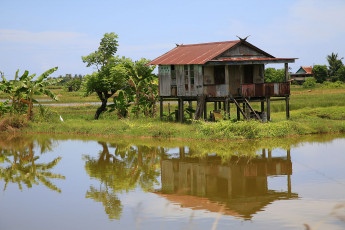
[(289, 184), (286, 72), (287, 105), (181, 112), (262, 106), (205, 111), (263, 153), (161, 108), (238, 113), (268, 108), (190, 106), (169, 108), (181, 152), (227, 108), (215, 105), (288, 154), (178, 110), (269, 154)]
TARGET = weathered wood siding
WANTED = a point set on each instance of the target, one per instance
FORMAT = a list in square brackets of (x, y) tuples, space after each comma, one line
[(235, 79), (164, 72), (199, 79), (258, 74), (240, 51), (208, 75), (180, 82)]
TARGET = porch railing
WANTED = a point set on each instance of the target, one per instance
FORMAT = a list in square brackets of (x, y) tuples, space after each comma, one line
[(266, 89)]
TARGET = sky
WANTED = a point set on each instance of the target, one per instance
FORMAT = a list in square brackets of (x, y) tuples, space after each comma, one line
[(37, 35)]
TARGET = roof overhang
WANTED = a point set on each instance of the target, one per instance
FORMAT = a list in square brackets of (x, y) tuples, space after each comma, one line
[(250, 61)]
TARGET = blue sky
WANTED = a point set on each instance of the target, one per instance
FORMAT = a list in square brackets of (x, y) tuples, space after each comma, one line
[(37, 35)]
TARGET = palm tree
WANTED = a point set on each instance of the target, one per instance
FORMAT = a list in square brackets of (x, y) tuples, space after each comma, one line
[(334, 64)]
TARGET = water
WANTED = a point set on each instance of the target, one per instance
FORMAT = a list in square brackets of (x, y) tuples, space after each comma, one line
[(68, 183)]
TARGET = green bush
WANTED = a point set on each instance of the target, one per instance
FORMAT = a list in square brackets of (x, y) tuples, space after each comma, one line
[(310, 82), (4, 108)]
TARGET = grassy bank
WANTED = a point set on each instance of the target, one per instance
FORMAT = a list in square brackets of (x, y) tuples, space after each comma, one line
[(312, 112), (304, 121)]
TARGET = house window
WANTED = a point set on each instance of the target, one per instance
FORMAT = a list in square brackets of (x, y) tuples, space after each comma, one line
[(173, 75), (219, 75), (191, 74), (186, 73), (248, 74)]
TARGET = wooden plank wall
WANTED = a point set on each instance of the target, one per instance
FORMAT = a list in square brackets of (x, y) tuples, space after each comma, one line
[(234, 79), (164, 73)]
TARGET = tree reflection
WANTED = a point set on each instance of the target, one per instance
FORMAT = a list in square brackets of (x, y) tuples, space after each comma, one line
[(19, 164), (122, 171)]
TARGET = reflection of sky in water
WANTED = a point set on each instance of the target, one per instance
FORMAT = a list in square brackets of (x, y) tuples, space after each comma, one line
[(318, 178)]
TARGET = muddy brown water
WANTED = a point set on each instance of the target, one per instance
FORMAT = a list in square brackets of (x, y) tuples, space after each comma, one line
[(69, 183)]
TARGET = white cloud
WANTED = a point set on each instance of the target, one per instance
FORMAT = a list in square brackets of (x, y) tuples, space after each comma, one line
[(45, 38), (308, 30)]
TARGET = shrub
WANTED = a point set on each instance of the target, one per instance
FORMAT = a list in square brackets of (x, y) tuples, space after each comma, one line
[(12, 123), (310, 82)]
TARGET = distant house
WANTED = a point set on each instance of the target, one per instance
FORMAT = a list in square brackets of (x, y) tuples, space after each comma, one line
[(302, 74), (219, 72)]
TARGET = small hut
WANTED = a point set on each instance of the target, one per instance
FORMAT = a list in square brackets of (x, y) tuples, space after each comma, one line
[(301, 74), (220, 72)]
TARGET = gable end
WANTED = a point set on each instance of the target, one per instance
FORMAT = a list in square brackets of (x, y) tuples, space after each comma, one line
[(243, 50)]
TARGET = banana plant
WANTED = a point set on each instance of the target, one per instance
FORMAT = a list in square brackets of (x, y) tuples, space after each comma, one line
[(38, 87), (15, 90), (122, 102), (21, 90), (139, 73)]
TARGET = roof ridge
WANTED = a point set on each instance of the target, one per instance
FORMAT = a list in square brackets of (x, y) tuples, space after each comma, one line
[(209, 43)]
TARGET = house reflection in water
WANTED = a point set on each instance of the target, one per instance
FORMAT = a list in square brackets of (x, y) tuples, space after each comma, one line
[(237, 187)]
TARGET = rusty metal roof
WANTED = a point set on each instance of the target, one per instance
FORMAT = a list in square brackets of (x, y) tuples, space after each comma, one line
[(208, 52), (252, 59), (193, 54)]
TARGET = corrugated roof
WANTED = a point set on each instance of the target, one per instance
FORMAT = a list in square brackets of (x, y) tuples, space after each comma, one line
[(308, 69), (252, 59), (193, 54)]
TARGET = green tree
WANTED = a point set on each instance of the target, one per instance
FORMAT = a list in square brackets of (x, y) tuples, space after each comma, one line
[(320, 73), (111, 74), (340, 74), (335, 64), (274, 75)]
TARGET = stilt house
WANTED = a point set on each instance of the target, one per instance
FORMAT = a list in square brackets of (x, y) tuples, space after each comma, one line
[(228, 72)]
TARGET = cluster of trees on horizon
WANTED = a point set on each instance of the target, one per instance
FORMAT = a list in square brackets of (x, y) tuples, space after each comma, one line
[(335, 71)]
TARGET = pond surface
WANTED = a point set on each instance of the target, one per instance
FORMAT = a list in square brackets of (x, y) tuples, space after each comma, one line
[(64, 183)]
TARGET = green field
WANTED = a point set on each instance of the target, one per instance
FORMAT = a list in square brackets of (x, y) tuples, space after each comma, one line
[(312, 111)]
